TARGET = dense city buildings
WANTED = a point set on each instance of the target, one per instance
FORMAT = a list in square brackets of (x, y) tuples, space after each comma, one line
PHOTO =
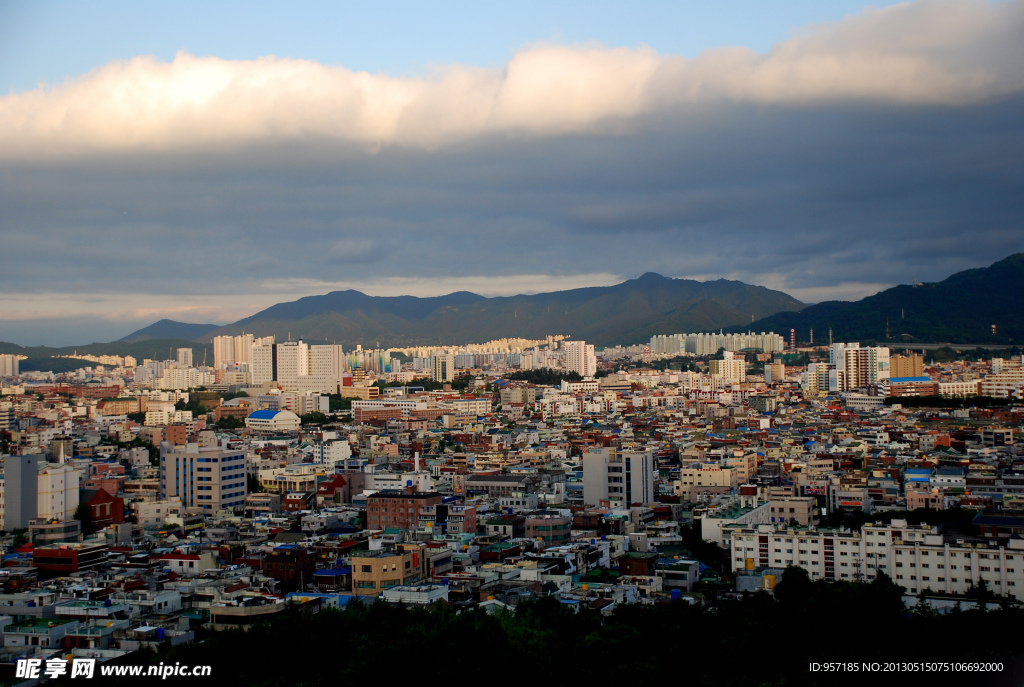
[(504, 472)]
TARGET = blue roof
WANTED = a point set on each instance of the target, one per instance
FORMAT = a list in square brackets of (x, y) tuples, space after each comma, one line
[(900, 380), (264, 414)]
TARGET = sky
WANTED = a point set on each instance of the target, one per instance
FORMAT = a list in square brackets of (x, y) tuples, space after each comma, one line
[(202, 163)]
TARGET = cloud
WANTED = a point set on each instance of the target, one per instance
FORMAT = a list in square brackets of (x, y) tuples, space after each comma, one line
[(852, 156), (928, 52)]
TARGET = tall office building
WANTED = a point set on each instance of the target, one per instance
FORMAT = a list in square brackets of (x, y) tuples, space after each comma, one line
[(207, 478), (580, 358)]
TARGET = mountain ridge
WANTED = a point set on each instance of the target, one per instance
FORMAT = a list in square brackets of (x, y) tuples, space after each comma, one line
[(958, 309), (604, 315)]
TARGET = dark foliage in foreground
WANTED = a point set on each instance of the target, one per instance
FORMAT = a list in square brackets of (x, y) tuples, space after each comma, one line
[(759, 640)]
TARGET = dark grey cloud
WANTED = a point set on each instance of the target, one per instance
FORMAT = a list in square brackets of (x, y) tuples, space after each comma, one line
[(820, 196)]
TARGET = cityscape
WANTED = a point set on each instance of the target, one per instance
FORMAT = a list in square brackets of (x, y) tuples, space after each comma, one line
[(383, 383)]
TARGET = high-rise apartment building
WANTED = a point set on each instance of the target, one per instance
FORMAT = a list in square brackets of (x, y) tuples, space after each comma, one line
[(732, 367), (853, 367), (580, 358), (326, 364), (201, 477), (442, 368), (611, 474), (236, 349), (8, 365), (21, 489), (33, 489), (185, 357), (264, 363), (292, 363), (906, 365)]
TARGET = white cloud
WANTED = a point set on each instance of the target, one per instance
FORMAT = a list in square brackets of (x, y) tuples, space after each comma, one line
[(928, 52)]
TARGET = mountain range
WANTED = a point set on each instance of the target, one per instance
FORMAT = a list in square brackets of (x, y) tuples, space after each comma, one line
[(959, 309), (607, 315)]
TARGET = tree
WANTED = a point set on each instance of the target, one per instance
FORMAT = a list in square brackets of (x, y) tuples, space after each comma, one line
[(229, 422), (314, 418), (981, 594), (252, 484), (794, 587), (338, 403), (83, 514), (924, 607), (20, 537)]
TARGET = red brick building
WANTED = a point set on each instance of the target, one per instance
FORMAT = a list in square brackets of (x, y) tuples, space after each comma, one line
[(396, 509), (104, 508), (176, 434), (298, 500)]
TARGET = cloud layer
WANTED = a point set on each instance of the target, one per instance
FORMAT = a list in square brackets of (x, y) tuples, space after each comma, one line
[(853, 156), (929, 52)]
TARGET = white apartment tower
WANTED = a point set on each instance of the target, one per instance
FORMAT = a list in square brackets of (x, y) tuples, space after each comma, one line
[(264, 363), (580, 358), (323, 373), (234, 349), (731, 367), (292, 363), (626, 476), (442, 368), (853, 367), (185, 357), (8, 365)]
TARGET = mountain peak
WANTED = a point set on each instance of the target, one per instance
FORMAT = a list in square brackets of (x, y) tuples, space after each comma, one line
[(170, 329), (651, 278)]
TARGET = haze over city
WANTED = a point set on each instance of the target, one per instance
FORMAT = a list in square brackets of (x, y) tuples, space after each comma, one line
[(173, 161)]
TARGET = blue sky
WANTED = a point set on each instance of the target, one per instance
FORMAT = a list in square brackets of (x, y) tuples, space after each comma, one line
[(170, 168), (43, 41)]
